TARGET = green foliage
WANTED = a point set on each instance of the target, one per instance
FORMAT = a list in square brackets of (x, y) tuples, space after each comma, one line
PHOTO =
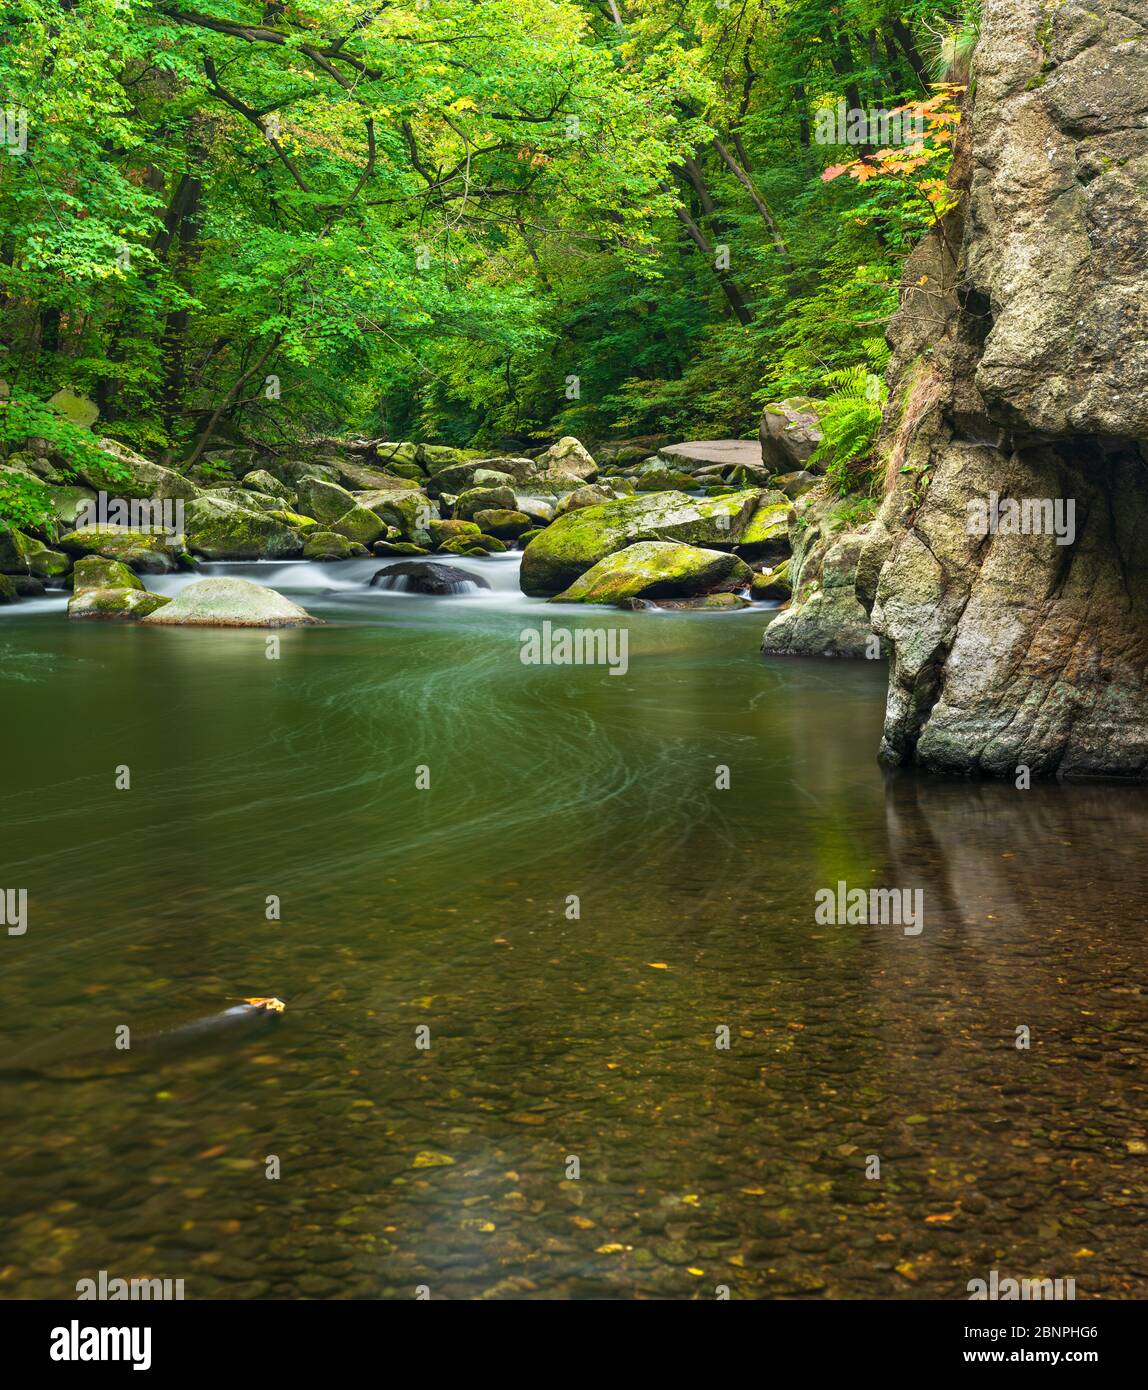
[(24, 502), (850, 420), (474, 221)]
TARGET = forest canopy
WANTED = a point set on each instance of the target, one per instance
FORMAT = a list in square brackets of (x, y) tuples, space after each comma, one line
[(461, 220)]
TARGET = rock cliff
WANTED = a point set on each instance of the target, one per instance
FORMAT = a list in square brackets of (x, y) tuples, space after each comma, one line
[(1019, 389)]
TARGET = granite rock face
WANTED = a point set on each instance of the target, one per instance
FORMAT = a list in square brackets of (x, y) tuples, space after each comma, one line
[(1019, 383)]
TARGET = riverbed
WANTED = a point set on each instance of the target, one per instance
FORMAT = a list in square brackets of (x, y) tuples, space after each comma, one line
[(521, 910)]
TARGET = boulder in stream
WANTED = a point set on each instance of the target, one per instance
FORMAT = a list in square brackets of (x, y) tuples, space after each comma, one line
[(657, 569), (231, 603), (427, 577)]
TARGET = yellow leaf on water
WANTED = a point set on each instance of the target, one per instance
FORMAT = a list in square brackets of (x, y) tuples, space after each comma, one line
[(657, 965)]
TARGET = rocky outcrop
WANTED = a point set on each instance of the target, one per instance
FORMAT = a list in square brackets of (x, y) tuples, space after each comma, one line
[(1019, 387), (824, 617)]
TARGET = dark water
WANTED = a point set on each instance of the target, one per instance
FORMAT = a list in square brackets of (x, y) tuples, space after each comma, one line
[(550, 1038)]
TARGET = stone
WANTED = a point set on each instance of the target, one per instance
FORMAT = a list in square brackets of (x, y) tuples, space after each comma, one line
[(330, 545), (409, 511), (1020, 369), (398, 548), (427, 577), (696, 454), (657, 569), (441, 531), (324, 500), (144, 552), (260, 480), (766, 534), (795, 484), (772, 584), (78, 409), (506, 524), (570, 457), (128, 474), (573, 543), (220, 529), (477, 499), (115, 603), (592, 495), (360, 524), (24, 554), (230, 603), (790, 433), (825, 617), (98, 572)]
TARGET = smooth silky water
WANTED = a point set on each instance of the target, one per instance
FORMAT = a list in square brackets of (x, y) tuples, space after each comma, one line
[(550, 1038)]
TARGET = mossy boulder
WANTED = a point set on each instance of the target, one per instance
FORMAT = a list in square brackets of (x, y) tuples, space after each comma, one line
[(574, 542), (540, 510), (23, 554), (260, 480), (773, 584), (296, 520), (330, 545), (128, 474), (117, 602), (8, 591), (505, 523), (766, 533), (479, 499), (398, 548), (98, 572), (360, 524), (67, 501), (795, 484), (657, 569), (78, 409), (591, 495), (143, 552), (661, 479), (230, 603), (705, 603), (221, 529), (441, 530), (467, 545), (410, 511), (324, 500)]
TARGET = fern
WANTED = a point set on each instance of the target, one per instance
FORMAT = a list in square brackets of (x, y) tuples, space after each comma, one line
[(850, 419)]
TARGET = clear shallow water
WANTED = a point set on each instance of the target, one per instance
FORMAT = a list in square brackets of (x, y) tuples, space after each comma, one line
[(549, 1038)]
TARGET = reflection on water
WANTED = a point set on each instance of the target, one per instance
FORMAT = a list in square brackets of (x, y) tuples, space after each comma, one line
[(549, 1037)]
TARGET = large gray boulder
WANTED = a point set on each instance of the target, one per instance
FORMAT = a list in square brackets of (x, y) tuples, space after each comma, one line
[(790, 432), (1020, 370), (230, 603)]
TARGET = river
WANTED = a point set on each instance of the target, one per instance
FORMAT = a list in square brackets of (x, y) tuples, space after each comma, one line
[(501, 1071)]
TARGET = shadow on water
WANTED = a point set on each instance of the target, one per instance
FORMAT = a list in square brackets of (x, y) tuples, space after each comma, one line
[(552, 1033)]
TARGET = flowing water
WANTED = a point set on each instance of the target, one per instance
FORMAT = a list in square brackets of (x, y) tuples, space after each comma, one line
[(563, 1035)]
